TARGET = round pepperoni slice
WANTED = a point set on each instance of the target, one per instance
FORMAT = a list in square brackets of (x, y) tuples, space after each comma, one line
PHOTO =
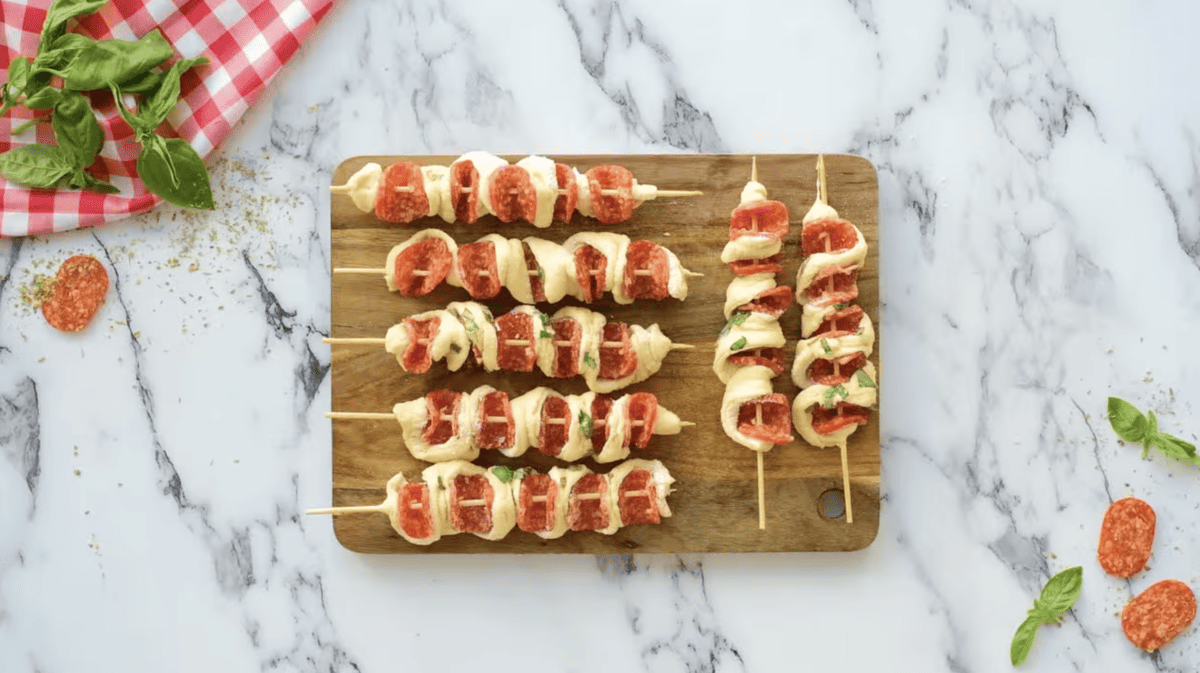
[(515, 345), (422, 266), (647, 271), (568, 337), (537, 277), (471, 503), (760, 218), (830, 235), (79, 290), (841, 322), (767, 418), (749, 267), (413, 511), (643, 414), (637, 500), (601, 406), (401, 196), (512, 194), (1158, 614), (1126, 537), (773, 302), (833, 285), (828, 421), (618, 359), (493, 432), (836, 372), (442, 409), (564, 206), (416, 358), (464, 191), (591, 272), (611, 208), (555, 425), (478, 270), (587, 508), (535, 504), (766, 357)]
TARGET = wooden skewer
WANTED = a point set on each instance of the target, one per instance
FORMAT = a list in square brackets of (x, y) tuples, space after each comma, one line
[(754, 169), (339, 189), (361, 415), (846, 483), (365, 272), (762, 494), (693, 274), (355, 341), (588, 496), (664, 193), (681, 347), (472, 503), (349, 510), (822, 183), (369, 341)]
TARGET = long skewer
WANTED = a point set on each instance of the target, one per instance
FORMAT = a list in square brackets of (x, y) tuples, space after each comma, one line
[(658, 193), (369, 341), (385, 416), (349, 510), (762, 488), (382, 272)]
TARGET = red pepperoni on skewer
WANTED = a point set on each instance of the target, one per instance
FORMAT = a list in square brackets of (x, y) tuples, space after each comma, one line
[(845, 286), (749, 267), (537, 277), (442, 409), (416, 358), (494, 434), (828, 421), (822, 371), (508, 206), (552, 435), (839, 233), (412, 508), (642, 407), (766, 357), (760, 218), (564, 206), (568, 335), (587, 507), (466, 513), (842, 322), (536, 503), (432, 257), (591, 271), (463, 174), (409, 202), (617, 362), (1158, 614), (1126, 537), (772, 424), (478, 270), (637, 499), (774, 302), (519, 355), (601, 406), (613, 208), (646, 256)]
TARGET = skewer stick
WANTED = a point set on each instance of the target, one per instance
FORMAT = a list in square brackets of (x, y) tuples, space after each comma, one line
[(658, 193), (355, 341), (822, 182), (365, 272), (681, 347), (846, 484), (693, 274), (361, 415), (349, 510), (339, 189), (762, 494), (686, 424), (672, 193), (753, 169)]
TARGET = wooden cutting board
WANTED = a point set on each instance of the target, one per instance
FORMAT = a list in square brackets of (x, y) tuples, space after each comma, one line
[(715, 498)]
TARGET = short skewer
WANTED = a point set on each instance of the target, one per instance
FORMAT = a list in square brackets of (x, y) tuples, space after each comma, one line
[(355, 341), (846, 485), (361, 415), (348, 510), (762, 494), (365, 272)]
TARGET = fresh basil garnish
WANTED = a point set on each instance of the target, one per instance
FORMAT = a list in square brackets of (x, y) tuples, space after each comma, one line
[(1058, 596)]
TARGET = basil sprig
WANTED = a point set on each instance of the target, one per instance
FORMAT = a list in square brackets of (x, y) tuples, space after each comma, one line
[(1058, 596), (1132, 426)]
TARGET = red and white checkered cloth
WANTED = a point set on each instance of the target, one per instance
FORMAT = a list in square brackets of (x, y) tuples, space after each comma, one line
[(246, 43)]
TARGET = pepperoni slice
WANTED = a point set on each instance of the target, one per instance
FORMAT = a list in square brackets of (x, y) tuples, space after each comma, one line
[(637, 500), (535, 503), (613, 208), (767, 357), (601, 406), (442, 409), (647, 271), (555, 425), (643, 414), (772, 424), (464, 191), (79, 290), (537, 277), (564, 206), (618, 359), (841, 322), (760, 218), (401, 196), (422, 266), (568, 335), (830, 235), (413, 511), (512, 194), (591, 271), (828, 421), (478, 270), (416, 358), (515, 344), (836, 372), (749, 267), (1158, 614), (471, 503), (774, 302), (1126, 537), (588, 506), (833, 285), (495, 434)]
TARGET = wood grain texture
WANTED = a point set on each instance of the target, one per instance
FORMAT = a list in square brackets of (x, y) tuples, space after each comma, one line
[(715, 497)]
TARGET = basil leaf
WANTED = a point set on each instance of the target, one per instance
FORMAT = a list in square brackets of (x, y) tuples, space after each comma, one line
[(35, 165), (78, 132), (1176, 448), (1126, 420), (1151, 431), (163, 99), (140, 127), (455, 347), (734, 321), (174, 171), (588, 360), (832, 393), (503, 474), (1059, 594), (60, 11), (44, 98), (585, 423), (864, 379), (98, 65), (84, 180), (740, 343), (144, 83), (1022, 640), (18, 77), (825, 346)]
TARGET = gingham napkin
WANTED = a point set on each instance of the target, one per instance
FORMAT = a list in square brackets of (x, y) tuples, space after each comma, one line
[(246, 43)]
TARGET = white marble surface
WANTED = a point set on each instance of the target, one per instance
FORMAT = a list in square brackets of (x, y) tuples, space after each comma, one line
[(1040, 215)]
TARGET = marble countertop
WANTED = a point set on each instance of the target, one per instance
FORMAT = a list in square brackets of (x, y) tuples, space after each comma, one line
[(1040, 219)]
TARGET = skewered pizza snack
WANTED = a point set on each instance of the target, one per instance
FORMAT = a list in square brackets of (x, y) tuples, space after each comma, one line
[(534, 189)]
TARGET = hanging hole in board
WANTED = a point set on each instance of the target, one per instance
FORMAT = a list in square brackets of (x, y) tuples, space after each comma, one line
[(832, 504)]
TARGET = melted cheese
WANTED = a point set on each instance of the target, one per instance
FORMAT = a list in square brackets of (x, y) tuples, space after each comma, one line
[(746, 383), (758, 331), (856, 393)]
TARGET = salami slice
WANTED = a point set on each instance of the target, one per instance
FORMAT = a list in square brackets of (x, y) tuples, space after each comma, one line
[(1158, 614), (637, 499), (471, 503), (464, 191), (647, 271), (613, 208), (766, 357), (836, 372), (413, 511), (442, 409), (772, 424), (416, 358), (591, 272), (496, 434), (478, 269), (841, 322), (537, 275), (587, 507), (618, 359), (749, 267), (422, 266), (831, 235), (555, 425), (759, 218), (400, 196), (1126, 537), (827, 421), (568, 338), (79, 289), (642, 407), (515, 342), (564, 206), (536, 503), (512, 194), (601, 406), (832, 285), (774, 302)]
